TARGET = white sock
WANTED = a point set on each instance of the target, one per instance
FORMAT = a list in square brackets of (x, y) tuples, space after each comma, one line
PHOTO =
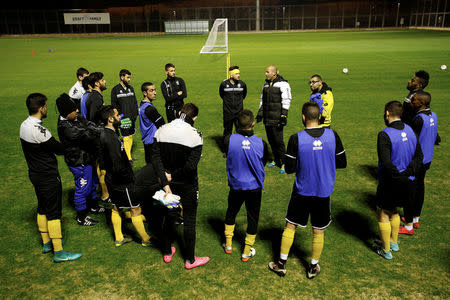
[(284, 256), (408, 227), (416, 220), (314, 261)]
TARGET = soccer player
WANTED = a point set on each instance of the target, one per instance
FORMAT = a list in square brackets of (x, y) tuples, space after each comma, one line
[(119, 178), (176, 155), (79, 138), (94, 101), (313, 154), (233, 92), (399, 157), (246, 157), (273, 109), (77, 90), (174, 91), (322, 94), (124, 99), (149, 118), (39, 148), (425, 125)]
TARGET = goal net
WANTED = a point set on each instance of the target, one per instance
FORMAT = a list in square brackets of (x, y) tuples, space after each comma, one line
[(217, 41)]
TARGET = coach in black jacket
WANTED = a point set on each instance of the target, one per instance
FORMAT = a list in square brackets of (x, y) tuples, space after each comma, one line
[(174, 91), (233, 92), (80, 140), (273, 109)]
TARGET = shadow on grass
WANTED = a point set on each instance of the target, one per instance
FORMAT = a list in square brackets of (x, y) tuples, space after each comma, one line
[(356, 224), (273, 235), (217, 224), (370, 171), (218, 139), (370, 199)]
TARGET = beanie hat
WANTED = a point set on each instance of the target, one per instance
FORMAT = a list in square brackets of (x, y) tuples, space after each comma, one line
[(65, 105)]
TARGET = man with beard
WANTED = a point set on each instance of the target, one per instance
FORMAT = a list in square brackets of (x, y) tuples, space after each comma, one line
[(149, 118), (119, 178), (174, 91), (233, 92), (323, 96), (273, 108), (313, 154), (39, 148), (124, 99), (79, 138), (94, 102), (399, 160)]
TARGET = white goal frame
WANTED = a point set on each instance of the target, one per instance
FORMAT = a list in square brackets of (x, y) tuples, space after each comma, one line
[(212, 45)]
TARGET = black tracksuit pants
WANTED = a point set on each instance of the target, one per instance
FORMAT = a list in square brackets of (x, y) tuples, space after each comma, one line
[(252, 200), (276, 142)]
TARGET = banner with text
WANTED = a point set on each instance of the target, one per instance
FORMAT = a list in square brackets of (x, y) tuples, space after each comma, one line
[(86, 18)]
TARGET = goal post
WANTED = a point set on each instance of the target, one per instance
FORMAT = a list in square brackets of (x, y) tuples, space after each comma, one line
[(217, 41)]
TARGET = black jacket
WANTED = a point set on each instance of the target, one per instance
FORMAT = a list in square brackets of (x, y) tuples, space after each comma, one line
[(233, 96), (275, 101), (170, 88), (125, 101), (94, 103), (80, 140)]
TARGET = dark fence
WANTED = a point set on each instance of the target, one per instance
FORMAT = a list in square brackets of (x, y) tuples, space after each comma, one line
[(150, 18)]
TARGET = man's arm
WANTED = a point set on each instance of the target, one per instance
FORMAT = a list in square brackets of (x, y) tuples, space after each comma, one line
[(157, 162), (114, 100), (341, 159), (221, 91), (182, 89), (167, 93), (384, 156), (290, 159), (53, 146), (153, 115), (328, 103), (244, 91), (190, 165), (416, 125), (96, 106)]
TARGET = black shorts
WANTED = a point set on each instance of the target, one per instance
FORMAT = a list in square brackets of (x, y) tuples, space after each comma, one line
[(124, 196), (301, 207), (392, 195), (49, 194), (128, 131)]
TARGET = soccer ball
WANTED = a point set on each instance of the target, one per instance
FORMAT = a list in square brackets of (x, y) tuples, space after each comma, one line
[(345, 70), (443, 67)]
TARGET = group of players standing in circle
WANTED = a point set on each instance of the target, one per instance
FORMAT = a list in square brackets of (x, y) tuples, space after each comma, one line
[(90, 132)]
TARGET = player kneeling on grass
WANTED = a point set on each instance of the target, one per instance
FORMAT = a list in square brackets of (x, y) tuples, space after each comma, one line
[(313, 154), (399, 160), (79, 138), (119, 178), (246, 157)]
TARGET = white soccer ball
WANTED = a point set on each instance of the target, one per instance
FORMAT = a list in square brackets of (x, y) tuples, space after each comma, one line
[(443, 67), (345, 70)]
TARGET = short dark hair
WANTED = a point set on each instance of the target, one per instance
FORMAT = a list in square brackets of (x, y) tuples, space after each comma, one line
[(233, 68), (85, 82), (424, 77), (318, 76), (124, 72), (81, 72), (34, 102), (190, 110), (169, 65), (245, 119), (94, 77), (423, 97), (311, 111), (145, 85), (106, 112), (394, 108)]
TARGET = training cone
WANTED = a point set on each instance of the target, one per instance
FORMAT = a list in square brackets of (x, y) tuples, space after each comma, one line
[(49, 50), (32, 52)]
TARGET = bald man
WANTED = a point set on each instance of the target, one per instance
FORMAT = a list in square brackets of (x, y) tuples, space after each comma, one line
[(273, 109)]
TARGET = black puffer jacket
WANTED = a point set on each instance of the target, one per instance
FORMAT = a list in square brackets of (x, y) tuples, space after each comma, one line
[(80, 139), (275, 101)]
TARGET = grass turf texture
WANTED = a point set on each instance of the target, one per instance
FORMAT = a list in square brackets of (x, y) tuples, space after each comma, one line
[(379, 63)]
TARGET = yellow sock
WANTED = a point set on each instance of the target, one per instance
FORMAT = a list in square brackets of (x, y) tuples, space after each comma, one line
[(395, 225), (101, 179), (385, 232), (116, 221), (286, 242), (249, 241), (229, 232), (140, 228), (317, 245), (127, 144), (43, 229), (54, 231), (127, 214)]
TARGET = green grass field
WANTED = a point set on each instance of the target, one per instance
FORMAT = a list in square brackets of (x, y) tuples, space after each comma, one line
[(380, 64)]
